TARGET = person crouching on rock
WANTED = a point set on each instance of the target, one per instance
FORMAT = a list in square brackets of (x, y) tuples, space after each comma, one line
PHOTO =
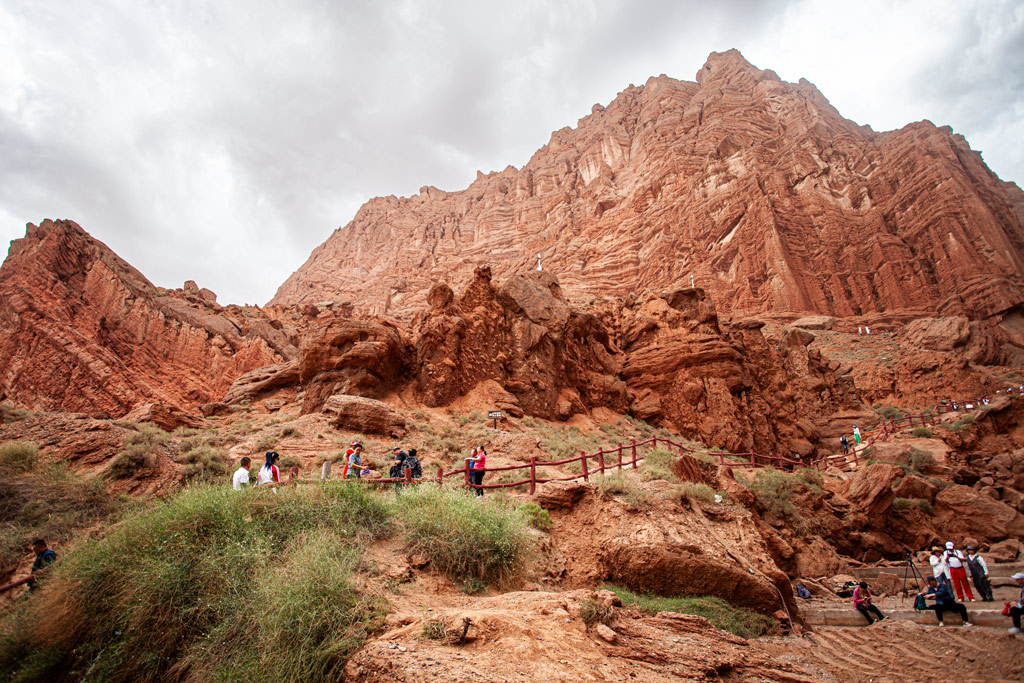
[(862, 603), (944, 601), (269, 474), (1017, 608)]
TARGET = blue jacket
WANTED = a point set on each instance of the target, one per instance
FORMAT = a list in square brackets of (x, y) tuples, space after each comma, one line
[(943, 596)]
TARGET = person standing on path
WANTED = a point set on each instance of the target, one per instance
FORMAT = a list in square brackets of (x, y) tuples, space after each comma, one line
[(845, 443), (939, 567), (979, 573), (944, 601), (856, 434), (954, 559), (1018, 608), (478, 460), (862, 603)]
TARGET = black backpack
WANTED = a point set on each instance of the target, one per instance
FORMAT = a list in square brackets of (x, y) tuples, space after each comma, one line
[(412, 465)]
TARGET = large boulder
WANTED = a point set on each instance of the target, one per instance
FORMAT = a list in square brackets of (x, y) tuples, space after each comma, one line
[(961, 510), (916, 487), (365, 415), (167, 418), (871, 487)]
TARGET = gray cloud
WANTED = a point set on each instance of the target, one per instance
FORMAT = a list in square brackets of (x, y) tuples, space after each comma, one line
[(222, 141)]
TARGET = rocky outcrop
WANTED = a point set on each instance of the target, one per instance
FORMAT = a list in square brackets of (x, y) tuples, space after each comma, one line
[(758, 188), (364, 415), (82, 330)]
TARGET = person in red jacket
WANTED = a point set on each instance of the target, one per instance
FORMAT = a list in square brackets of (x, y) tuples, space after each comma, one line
[(862, 602)]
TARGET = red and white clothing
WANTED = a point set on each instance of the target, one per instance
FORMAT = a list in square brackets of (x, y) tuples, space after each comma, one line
[(270, 475), (954, 559)]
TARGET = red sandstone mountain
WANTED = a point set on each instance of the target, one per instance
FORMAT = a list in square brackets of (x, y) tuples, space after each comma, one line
[(83, 331), (758, 188)]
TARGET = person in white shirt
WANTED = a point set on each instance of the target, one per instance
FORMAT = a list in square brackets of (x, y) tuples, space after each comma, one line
[(939, 567), (954, 559), (979, 573), (269, 474), (241, 476)]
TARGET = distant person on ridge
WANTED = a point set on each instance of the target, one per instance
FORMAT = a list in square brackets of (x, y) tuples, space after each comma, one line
[(241, 475), (954, 559), (862, 602), (269, 473), (845, 443), (856, 434), (1017, 608), (45, 557), (979, 573), (944, 601)]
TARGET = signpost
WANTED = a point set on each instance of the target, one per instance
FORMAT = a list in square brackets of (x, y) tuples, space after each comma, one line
[(494, 415)]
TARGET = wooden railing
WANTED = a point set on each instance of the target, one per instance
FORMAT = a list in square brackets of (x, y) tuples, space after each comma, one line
[(626, 457)]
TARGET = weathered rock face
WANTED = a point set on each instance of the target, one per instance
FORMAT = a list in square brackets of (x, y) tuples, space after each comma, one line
[(757, 187), (82, 330), (364, 415)]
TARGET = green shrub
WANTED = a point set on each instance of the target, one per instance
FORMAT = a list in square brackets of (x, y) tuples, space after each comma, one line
[(139, 450), (737, 620), (264, 444), (812, 478), (434, 629), (774, 489), (535, 516), (921, 461), (922, 432), (12, 414), (693, 491), (464, 537), (290, 430), (613, 484), (205, 463), (657, 464), (222, 584), (889, 412), (592, 612), (921, 504), (21, 455), (286, 462)]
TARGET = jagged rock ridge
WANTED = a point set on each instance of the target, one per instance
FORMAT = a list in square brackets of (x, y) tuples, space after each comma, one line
[(758, 188)]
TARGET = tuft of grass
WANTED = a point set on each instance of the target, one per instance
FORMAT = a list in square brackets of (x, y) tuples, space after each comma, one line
[(286, 462), (290, 430), (592, 612), (139, 450), (434, 629), (220, 584), (693, 491), (739, 621), (921, 504), (774, 489), (922, 432), (19, 455), (264, 444), (11, 414), (205, 463), (921, 461), (465, 538), (657, 464), (535, 516)]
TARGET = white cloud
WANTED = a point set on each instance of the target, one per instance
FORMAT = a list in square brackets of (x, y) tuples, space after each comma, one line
[(221, 142)]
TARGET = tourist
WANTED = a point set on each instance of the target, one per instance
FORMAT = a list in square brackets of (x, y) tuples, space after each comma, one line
[(944, 601), (411, 466), (954, 559), (860, 330), (348, 454), (1016, 609), (241, 475), (867, 330), (862, 602), (355, 462), (979, 573), (939, 567), (396, 471), (856, 434), (269, 474), (45, 557), (478, 461), (845, 443)]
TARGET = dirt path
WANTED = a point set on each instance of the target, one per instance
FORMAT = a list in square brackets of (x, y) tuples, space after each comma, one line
[(901, 652)]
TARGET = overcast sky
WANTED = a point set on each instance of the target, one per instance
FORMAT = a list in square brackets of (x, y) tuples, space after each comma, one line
[(223, 141)]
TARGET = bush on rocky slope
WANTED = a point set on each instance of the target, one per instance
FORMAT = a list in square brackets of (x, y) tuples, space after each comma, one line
[(738, 621)]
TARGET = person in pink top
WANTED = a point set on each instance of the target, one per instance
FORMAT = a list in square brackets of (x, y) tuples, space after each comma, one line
[(862, 602), (478, 460)]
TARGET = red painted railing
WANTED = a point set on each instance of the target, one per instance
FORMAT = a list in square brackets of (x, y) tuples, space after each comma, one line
[(628, 457)]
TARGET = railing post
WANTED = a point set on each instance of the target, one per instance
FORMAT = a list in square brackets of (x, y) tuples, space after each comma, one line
[(440, 475), (583, 459), (753, 462), (634, 454), (407, 476), (533, 474), (600, 460), (721, 459), (620, 457), (465, 472)]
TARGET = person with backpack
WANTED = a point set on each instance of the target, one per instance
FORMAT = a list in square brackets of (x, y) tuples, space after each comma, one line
[(954, 559), (845, 443), (44, 558), (862, 603), (944, 602), (269, 474), (412, 466), (478, 461), (979, 573)]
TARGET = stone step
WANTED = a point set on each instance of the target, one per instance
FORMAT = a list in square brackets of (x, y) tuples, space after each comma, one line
[(834, 616), (995, 570)]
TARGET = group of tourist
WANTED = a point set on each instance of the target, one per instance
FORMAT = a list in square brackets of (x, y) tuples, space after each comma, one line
[(949, 574), (404, 465)]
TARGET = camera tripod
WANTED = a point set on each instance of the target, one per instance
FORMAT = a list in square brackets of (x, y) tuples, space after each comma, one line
[(910, 572)]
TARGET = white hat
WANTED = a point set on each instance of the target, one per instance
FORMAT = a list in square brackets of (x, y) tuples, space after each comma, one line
[(949, 545), (1018, 575)]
